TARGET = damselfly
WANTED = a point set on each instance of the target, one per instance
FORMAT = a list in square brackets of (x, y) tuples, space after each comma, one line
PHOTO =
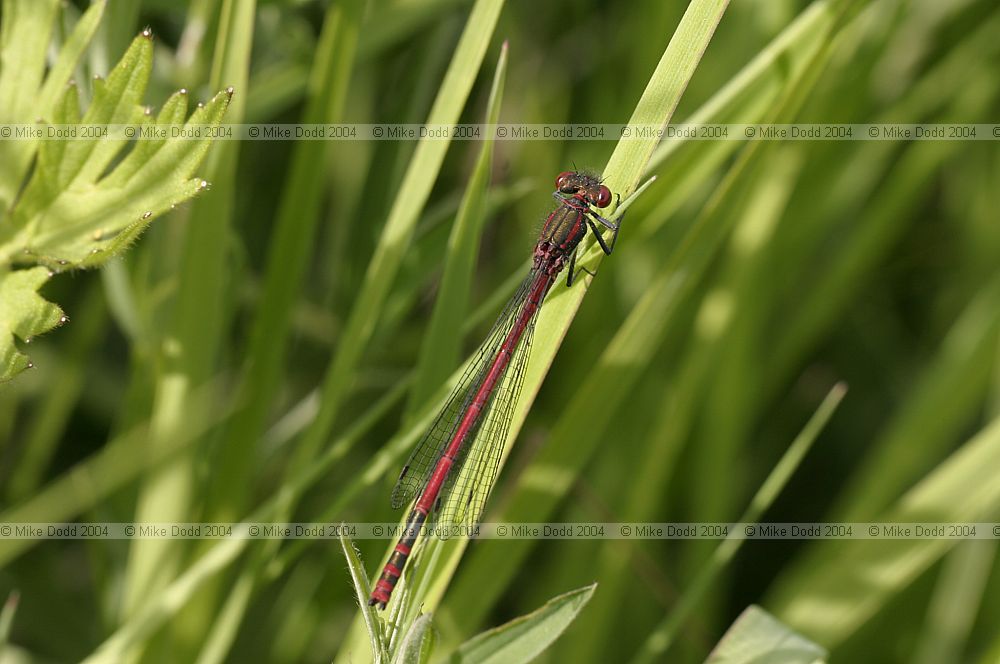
[(452, 469)]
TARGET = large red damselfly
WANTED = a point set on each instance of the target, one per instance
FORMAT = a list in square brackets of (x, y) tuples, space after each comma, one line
[(453, 467)]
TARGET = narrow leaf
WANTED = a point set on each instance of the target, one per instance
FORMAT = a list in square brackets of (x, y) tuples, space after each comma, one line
[(439, 353), (362, 590), (840, 585), (69, 55), (7, 617), (24, 37)]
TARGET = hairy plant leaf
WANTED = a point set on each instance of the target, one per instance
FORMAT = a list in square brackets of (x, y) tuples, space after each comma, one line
[(80, 207), (72, 214), (363, 591), (23, 313), (418, 643)]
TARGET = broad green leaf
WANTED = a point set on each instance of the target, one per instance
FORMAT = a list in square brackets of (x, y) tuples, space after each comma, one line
[(24, 314), (418, 642), (758, 638), (524, 638)]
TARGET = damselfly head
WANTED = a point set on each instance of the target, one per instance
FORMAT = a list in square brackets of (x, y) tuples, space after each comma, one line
[(586, 187)]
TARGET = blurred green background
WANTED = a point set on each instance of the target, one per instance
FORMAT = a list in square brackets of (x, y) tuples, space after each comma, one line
[(195, 382)]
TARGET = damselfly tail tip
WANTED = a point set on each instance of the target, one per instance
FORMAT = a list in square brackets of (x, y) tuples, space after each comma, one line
[(379, 597)]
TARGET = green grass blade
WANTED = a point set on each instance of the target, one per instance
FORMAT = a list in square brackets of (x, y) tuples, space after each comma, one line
[(290, 248), (410, 200), (118, 463), (936, 411), (218, 555), (120, 23), (840, 585), (661, 638), (123, 465), (577, 433), (714, 334), (124, 460), (141, 627), (7, 618), (664, 91), (684, 165), (439, 352), (957, 599), (198, 323), (391, 25), (299, 211)]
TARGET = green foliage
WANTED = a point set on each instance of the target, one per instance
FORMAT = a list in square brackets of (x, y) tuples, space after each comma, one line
[(271, 351), (363, 590), (78, 208), (24, 314), (418, 644), (524, 638), (758, 638)]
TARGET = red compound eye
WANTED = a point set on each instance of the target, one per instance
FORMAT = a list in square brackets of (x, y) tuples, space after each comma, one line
[(603, 197), (563, 179)]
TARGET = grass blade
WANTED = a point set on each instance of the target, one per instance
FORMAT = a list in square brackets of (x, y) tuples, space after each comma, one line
[(840, 585), (412, 196), (661, 638), (439, 353)]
